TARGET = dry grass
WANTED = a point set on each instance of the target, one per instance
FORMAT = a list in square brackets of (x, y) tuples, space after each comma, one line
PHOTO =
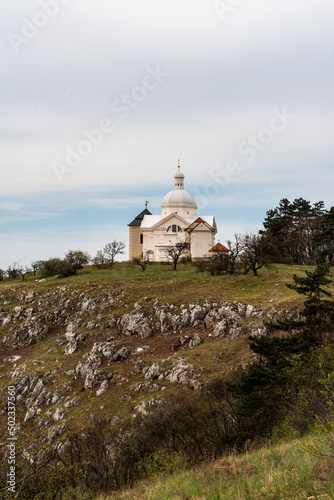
[(281, 472)]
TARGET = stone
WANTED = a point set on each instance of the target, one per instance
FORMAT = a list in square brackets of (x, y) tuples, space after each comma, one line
[(71, 403), (196, 341), (94, 378), (136, 323), (92, 362), (139, 366), (221, 329), (30, 414), (71, 348), (58, 414), (121, 354), (153, 371), (257, 330), (103, 387)]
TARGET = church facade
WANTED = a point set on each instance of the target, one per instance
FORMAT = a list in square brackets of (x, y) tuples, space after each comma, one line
[(150, 235)]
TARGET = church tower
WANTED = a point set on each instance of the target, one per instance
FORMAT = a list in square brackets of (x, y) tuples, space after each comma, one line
[(135, 234)]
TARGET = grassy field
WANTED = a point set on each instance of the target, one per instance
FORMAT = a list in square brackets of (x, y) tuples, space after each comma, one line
[(186, 285)]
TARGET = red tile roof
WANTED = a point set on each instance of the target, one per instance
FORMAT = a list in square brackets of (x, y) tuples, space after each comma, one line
[(196, 223), (219, 248)]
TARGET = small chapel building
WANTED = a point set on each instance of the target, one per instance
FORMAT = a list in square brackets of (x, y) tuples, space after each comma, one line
[(150, 235)]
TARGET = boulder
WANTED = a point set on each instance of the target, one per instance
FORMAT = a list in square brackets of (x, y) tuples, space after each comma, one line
[(94, 378), (71, 348), (221, 329), (153, 371), (122, 353), (103, 387), (136, 323), (196, 341)]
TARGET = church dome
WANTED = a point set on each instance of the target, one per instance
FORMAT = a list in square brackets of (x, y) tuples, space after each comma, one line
[(178, 198)]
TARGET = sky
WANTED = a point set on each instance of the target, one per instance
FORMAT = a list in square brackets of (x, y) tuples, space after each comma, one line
[(100, 99)]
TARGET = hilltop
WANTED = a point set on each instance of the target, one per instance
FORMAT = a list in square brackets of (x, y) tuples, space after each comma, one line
[(109, 345)]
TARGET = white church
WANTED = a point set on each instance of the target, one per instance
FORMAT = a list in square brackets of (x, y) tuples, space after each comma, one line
[(150, 235)]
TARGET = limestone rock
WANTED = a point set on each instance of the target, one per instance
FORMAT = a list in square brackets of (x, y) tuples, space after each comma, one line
[(71, 348), (103, 387), (153, 371), (221, 329), (196, 341), (136, 323), (94, 378)]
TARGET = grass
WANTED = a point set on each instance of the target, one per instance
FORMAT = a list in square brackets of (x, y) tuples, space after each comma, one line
[(185, 285), (284, 471)]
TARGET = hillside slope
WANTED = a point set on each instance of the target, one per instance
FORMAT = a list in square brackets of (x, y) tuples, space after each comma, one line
[(112, 344)]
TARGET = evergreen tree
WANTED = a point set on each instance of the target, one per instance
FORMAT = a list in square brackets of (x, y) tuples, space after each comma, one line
[(292, 227), (324, 238), (268, 389)]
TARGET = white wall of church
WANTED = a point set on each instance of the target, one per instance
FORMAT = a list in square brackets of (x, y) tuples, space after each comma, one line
[(200, 243), (186, 212)]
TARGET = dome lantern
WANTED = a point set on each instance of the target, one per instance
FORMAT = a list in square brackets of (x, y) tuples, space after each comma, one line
[(178, 176), (179, 200)]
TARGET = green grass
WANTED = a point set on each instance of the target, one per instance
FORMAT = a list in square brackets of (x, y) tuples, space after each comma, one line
[(185, 285), (285, 471)]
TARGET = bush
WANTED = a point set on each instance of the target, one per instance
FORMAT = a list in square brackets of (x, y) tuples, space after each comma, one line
[(51, 267), (72, 262), (201, 264)]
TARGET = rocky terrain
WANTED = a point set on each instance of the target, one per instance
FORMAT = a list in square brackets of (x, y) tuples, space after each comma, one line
[(76, 351)]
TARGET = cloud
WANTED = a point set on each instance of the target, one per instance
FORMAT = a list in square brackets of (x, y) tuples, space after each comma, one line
[(225, 78)]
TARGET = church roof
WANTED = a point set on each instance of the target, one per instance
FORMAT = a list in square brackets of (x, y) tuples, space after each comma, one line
[(178, 198), (197, 222), (151, 220), (219, 248), (139, 218)]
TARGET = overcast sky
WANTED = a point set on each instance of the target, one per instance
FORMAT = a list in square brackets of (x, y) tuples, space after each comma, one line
[(100, 99)]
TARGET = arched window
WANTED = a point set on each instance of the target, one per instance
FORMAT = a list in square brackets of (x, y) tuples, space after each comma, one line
[(174, 229)]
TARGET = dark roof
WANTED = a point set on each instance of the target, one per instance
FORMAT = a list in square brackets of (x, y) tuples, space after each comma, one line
[(139, 219)]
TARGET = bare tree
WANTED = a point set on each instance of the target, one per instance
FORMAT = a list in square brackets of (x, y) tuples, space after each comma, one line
[(233, 255), (99, 260), (112, 249), (141, 261), (24, 271), (254, 252), (174, 253), (14, 271)]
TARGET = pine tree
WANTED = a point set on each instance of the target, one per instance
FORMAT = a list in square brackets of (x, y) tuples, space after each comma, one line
[(267, 389)]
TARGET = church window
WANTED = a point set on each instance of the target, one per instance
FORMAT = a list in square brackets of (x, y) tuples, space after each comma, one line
[(141, 239), (174, 229)]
